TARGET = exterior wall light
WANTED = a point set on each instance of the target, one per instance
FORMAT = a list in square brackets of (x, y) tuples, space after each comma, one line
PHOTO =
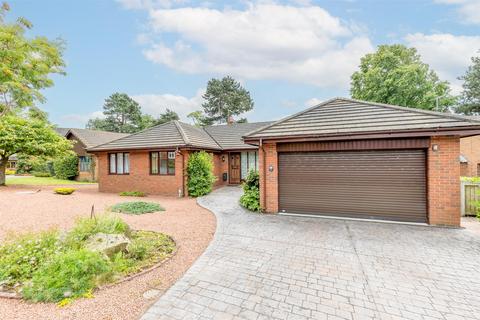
[(223, 158), (270, 168), (435, 147)]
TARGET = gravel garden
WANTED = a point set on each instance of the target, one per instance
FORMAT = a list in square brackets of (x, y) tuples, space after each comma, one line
[(93, 255)]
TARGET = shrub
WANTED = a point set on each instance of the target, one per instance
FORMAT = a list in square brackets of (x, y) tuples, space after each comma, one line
[(41, 174), (9, 172), (67, 275), (251, 192), (66, 167), (21, 255), (29, 164), (64, 191), (200, 174), (85, 227), (132, 194), (137, 207)]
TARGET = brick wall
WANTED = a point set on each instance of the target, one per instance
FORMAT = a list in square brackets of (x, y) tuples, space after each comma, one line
[(268, 180), (219, 168), (470, 148), (139, 178), (444, 181)]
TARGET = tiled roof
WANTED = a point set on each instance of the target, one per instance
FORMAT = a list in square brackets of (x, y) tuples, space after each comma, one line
[(348, 116), (229, 136), (92, 138)]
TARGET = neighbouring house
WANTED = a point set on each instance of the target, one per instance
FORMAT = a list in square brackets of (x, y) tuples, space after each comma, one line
[(154, 160), (470, 156), (12, 162), (341, 158), (83, 139), (355, 159)]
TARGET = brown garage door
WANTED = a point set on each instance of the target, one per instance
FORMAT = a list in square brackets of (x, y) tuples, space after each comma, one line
[(387, 185)]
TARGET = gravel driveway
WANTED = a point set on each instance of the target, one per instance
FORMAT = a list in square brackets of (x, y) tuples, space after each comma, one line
[(280, 267)]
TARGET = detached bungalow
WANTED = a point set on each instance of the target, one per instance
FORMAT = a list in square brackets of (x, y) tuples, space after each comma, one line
[(342, 158), (83, 139), (154, 160)]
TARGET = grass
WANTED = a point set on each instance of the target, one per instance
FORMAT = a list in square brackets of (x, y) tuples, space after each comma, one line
[(40, 181), (136, 207)]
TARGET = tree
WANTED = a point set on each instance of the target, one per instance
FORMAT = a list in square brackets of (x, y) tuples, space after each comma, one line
[(470, 97), (26, 64), (28, 137), (122, 114), (225, 98), (149, 121), (199, 119), (395, 74)]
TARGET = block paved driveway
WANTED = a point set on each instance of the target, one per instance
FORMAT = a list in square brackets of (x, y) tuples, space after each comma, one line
[(280, 267)]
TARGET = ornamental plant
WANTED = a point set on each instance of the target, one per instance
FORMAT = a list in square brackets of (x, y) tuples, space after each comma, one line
[(66, 167), (251, 192), (64, 191), (200, 174), (136, 207)]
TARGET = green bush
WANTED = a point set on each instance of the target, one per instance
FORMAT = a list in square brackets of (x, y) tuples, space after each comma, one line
[(32, 164), (137, 207), (85, 227), (64, 191), (67, 275), (66, 167), (21, 255), (251, 192), (132, 194), (41, 174), (200, 174)]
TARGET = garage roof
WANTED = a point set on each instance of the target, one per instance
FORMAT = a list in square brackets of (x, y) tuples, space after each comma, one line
[(343, 116)]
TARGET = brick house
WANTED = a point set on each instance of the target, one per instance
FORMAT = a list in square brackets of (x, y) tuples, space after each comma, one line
[(12, 162), (154, 160), (470, 156), (341, 158), (83, 139)]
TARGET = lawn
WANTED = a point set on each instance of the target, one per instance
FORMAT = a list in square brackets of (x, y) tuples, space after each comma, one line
[(40, 181)]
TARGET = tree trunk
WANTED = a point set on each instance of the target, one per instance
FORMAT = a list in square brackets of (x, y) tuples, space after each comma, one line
[(3, 167)]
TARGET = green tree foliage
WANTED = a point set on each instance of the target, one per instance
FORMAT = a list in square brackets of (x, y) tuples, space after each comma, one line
[(470, 97), (224, 98), (251, 192), (199, 119), (122, 114), (395, 74), (26, 64), (149, 121), (28, 137), (200, 174), (66, 167)]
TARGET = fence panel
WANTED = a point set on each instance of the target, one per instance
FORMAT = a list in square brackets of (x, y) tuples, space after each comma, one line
[(469, 197)]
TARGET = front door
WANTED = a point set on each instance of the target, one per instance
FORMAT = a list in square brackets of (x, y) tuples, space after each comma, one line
[(235, 173)]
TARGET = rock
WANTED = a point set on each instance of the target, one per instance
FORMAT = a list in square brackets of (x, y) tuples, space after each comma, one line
[(108, 244), (152, 293)]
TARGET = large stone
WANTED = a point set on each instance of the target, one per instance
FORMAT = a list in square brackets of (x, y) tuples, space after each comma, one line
[(108, 244)]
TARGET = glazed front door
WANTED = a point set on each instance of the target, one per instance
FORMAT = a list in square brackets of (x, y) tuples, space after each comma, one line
[(235, 168)]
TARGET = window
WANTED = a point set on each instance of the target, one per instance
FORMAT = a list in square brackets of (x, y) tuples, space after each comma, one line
[(162, 162), (249, 161), (11, 164), (119, 163), (84, 163)]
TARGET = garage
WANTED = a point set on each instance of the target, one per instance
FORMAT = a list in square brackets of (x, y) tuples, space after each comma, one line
[(372, 184)]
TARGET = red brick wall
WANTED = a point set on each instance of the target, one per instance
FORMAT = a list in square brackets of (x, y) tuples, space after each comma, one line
[(219, 168), (268, 180), (444, 181), (470, 148), (139, 178)]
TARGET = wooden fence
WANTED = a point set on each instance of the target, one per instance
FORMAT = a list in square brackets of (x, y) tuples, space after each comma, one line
[(469, 194)]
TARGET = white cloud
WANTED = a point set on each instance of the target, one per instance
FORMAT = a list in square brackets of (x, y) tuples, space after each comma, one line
[(79, 120), (263, 41), (313, 102), (155, 104), (447, 54), (469, 10)]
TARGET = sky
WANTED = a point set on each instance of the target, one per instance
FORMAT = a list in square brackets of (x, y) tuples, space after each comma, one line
[(289, 54)]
